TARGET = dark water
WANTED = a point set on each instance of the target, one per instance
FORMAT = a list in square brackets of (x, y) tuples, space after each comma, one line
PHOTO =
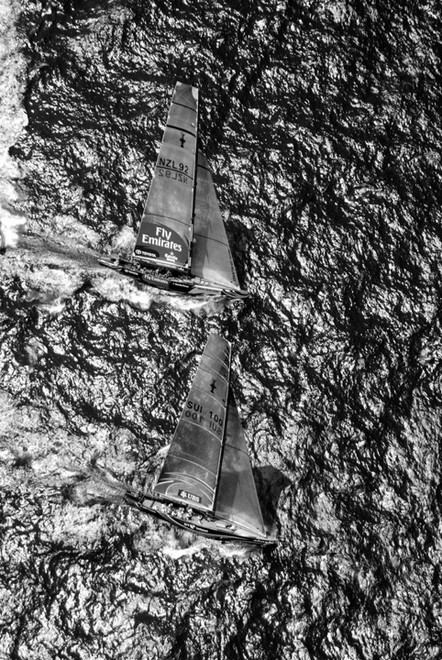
[(322, 124)]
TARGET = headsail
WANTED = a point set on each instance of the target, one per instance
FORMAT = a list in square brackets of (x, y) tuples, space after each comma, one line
[(237, 499), (165, 233), (211, 257), (190, 471)]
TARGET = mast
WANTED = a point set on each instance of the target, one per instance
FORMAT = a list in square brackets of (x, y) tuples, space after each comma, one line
[(195, 182), (223, 440)]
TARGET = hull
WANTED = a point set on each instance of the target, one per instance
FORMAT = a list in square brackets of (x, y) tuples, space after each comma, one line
[(197, 522), (172, 283)]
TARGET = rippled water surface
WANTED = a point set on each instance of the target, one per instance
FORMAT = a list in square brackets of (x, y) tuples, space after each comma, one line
[(321, 121)]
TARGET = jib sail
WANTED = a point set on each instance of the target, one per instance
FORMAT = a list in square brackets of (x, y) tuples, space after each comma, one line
[(165, 233), (237, 498), (190, 471), (211, 257)]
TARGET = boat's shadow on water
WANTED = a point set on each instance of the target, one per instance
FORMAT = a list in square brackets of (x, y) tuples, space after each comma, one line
[(270, 483)]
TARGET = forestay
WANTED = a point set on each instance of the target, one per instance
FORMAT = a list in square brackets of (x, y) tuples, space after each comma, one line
[(166, 229)]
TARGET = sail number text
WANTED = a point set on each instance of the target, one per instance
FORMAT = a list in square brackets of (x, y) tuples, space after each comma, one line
[(171, 170), (195, 413)]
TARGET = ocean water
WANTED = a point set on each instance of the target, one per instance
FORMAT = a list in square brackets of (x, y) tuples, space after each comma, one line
[(322, 124)]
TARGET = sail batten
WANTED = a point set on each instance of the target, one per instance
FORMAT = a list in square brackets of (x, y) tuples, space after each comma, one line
[(212, 433)]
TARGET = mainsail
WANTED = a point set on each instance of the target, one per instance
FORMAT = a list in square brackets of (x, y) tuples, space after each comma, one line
[(211, 257), (207, 466), (191, 469), (166, 229)]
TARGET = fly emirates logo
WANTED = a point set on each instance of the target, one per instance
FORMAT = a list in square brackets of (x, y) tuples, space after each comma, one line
[(162, 239)]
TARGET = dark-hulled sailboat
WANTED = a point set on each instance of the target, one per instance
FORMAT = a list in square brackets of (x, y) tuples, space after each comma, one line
[(182, 244), (206, 483)]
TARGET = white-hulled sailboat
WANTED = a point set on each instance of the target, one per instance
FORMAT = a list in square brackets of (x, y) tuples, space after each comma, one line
[(182, 244), (206, 484)]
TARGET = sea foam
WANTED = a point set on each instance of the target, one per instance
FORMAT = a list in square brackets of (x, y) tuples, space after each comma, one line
[(13, 119)]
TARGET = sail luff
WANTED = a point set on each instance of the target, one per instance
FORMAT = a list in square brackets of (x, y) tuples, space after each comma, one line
[(220, 461), (195, 185)]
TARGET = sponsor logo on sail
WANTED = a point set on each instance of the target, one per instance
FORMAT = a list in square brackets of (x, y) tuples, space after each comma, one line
[(163, 243), (147, 253), (162, 238), (185, 495)]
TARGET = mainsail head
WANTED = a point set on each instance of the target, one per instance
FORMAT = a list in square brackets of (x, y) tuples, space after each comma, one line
[(165, 234), (211, 256)]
